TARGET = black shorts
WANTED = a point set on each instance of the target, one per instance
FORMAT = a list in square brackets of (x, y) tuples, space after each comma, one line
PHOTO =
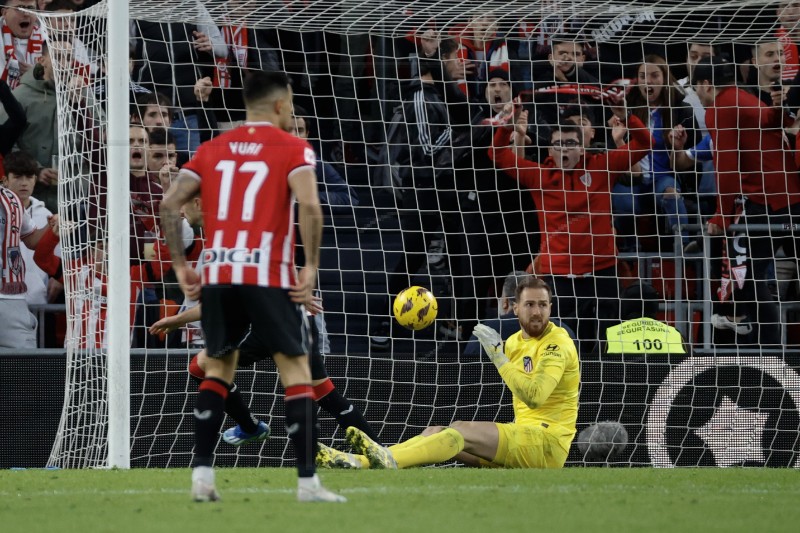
[(264, 315), (250, 354)]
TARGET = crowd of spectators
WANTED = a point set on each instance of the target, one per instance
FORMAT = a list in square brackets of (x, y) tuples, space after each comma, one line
[(526, 148)]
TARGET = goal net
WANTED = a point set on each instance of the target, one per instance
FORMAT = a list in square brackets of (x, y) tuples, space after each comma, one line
[(429, 119)]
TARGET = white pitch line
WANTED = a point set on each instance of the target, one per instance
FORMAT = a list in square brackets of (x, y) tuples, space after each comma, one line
[(529, 489), (261, 490)]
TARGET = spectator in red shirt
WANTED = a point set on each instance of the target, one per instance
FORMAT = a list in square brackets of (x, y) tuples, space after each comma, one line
[(572, 192), (752, 161)]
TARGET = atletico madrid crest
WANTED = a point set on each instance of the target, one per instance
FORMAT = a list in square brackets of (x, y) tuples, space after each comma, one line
[(527, 363)]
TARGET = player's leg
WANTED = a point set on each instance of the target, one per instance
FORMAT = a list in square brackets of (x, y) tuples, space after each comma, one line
[(281, 327), (531, 446), (248, 428), (373, 455), (209, 412), (464, 441), (222, 326), (326, 395), (340, 408), (467, 458), (481, 437), (332, 458), (301, 425), (430, 430)]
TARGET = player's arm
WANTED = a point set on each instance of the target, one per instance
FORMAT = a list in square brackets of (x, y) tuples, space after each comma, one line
[(532, 388), (44, 255), (526, 172), (535, 388), (30, 235), (185, 187), (641, 144), (303, 182), (169, 324), (33, 238)]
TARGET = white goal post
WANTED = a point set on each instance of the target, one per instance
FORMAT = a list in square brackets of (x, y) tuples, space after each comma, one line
[(355, 67)]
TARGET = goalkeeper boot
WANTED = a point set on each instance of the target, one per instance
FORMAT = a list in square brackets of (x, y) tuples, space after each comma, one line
[(203, 488), (328, 457), (311, 490), (379, 456), (235, 436)]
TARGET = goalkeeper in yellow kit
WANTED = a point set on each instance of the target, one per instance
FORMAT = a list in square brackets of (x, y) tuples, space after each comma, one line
[(540, 366)]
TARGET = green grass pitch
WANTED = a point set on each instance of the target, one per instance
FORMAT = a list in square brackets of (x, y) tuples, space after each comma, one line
[(417, 500)]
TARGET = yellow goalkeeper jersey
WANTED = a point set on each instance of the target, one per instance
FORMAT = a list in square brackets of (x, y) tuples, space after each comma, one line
[(544, 377)]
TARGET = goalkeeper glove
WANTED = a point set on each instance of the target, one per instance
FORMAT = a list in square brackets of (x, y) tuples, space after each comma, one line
[(492, 343)]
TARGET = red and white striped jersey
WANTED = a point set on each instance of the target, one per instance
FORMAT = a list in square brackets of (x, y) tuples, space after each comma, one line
[(15, 224), (87, 327), (85, 277), (248, 206)]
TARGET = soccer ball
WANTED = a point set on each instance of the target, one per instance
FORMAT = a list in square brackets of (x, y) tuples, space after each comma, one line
[(603, 441), (415, 308)]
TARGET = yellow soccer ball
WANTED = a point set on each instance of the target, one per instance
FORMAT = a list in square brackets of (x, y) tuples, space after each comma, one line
[(415, 308)]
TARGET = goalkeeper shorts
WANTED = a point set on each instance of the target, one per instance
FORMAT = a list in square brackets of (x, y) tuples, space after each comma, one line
[(529, 446)]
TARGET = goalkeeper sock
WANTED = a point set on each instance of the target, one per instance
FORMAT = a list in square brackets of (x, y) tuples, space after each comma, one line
[(301, 426), (234, 403), (209, 411), (405, 444), (342, 409), (432, 449)]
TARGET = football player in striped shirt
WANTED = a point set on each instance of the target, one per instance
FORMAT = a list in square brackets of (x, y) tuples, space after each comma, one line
[(249, 179)]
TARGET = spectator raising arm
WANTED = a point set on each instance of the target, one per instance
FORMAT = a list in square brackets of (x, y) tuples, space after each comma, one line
[(641, 143), (505, 158)]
